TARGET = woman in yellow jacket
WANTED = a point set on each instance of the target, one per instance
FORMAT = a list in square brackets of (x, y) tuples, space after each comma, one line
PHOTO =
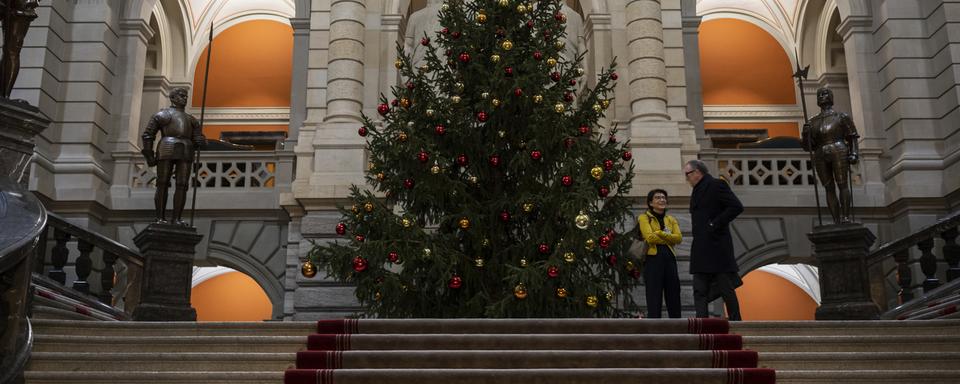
[(661, 232)]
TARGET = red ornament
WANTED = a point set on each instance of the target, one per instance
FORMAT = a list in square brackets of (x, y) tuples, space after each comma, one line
[(425, 41), (567, 96), (448, 53), (393, 257), (501, 33), (494, 160), (383, 109), (464, 57), (440, 129), (611, 234), (462, 160), (359, 264), (612, 259), (359, 238), (566, 181), (603, 192), (482, 116), (553, 271), (555, 76), (341, 228), (573, 82), (394, 102), (411, 85), (455, 282), (529, 23), (423, 157), (508, 71), (568, 142), (536, 155), (627, 155), (445, 30), (505, 216), (560, 16), (362, 131), (613, 138), (604, 241), (608, 164), (584, 129), (537, 55), (408, 183), (543, 248), (613, 76), (455, 34), (635, 273), (518, 92)]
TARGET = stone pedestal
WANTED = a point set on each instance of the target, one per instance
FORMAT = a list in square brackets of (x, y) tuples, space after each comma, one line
[(168, 251), (841, 251), (19, 124)]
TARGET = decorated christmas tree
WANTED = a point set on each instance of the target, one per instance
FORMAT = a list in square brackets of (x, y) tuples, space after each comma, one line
[(496, 193)]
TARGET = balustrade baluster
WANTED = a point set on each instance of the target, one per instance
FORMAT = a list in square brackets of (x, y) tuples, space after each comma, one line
[(58, 256), (928, 264), (904, 275), (83, 266), (41, 253), (107, 277), (951, 253)]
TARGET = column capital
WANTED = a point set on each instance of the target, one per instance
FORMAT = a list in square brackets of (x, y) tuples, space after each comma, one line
[(691, 24), (137, 28), (854, 24), (300, 24)]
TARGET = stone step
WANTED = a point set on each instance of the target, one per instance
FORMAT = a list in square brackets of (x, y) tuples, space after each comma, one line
[(861, 361), (148, 377), (267, 344), (533, 376), (845, 328), (186, 328), (160, 362), (867, 376), (866, 343)]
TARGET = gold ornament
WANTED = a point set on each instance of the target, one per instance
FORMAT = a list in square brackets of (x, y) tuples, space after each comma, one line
[(559, 44), (485, 95), (605, 103), (455, 99), (589, 244), (592, 301), (503, 3), (430, 113), (569, 257), (551, 62), (537, 99), (405, 102), (485, 243), (464, 223), (523, 263), (520, 291), (561, 292), (495, 102), (308, 270), (559, 108), (368, 207), (424, 68), (522, 8), (444, 7), (472, 179), (596, 172), (435, 169), (582, 221), (406, 222), (597, 108), (481, 18), (458, 86), (609, 296), (478, 262), (426, 252), (506, 45), (495, 58), (380, 176), (630, 266), (371, 166), (398, 63), (579, 71), (528, 207), (501, 133), (355, 209), (402, 136), (377, 296)]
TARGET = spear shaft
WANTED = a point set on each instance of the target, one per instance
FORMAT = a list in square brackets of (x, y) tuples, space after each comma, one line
[(800, 75), (203, 110)]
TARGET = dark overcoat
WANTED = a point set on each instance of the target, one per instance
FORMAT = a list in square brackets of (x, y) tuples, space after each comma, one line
[(712, 207)]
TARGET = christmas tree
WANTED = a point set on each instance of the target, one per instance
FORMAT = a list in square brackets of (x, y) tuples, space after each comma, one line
[(497, 192)]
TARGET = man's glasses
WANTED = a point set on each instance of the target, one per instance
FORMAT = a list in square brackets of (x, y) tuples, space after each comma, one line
[(687, 173)]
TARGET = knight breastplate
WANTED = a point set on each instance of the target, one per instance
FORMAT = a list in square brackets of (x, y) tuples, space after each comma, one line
[(176, 133), (829, 133)]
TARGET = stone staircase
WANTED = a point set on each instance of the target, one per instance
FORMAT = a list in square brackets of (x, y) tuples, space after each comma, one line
[(69, 351)]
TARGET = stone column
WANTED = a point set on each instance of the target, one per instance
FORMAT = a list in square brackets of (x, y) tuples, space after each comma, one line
[(168, 252), (19, 124), (648, 74), (841, 252), (345, 66), (134, 36), (298, 87), (691, 59)]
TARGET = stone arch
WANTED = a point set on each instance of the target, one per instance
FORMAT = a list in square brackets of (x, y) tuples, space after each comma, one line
[(760, 241), (254, 248)]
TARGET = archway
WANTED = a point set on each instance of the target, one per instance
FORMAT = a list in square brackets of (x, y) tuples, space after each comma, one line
[(225, 294)]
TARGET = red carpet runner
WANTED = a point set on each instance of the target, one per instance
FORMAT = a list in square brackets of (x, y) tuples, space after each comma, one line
[(467, 351)]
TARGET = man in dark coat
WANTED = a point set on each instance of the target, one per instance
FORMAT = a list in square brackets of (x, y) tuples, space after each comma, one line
[(712, 207)]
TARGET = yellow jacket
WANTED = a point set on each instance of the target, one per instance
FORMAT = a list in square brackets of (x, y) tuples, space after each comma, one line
[(651, 233)]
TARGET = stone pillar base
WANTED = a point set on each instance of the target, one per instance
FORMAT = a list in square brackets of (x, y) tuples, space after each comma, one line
[(841, 251), (168, 251)]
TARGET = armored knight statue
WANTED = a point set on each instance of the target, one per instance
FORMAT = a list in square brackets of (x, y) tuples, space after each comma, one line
[(425, 22), (17, 16), (180, 135), (832, 137)]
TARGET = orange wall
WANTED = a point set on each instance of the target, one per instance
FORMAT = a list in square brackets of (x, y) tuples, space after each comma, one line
[(251, 66), (213, 131), (232, 296), (773, 129), (765, 296), (740, 63)]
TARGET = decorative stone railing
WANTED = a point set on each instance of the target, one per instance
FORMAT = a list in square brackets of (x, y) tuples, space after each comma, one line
[(765, 167), (227, 170)]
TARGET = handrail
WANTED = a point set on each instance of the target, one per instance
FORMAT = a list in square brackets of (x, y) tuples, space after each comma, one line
[(100, 241), (904, 243)]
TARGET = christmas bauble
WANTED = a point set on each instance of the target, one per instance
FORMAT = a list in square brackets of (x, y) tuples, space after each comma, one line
[(405, 222), (368, 207), (398, 63), (444, 7), (520, 291), (603, 191), (402, 136), (308, 269), (635, 273), (629, 266), (494, 160), (505, 216), (455, 35), (405, 102), (537, 55), (508, 71), (495, 102), (553, 271), (609, 296), (568, 142), (383, 109), (478, 262), (482, 116), (359, 264), (423, 157), (484, 95), (393, 257), (597, 108), (555, 76), (608, 164), (584, 129), (559, 44), (536, 155), (464, 223), (562, 292), (551, 62), (458, 86), (495, 58), (440, 129), (537, 99), (435, 169), (559, 108), (527, 207), (592, 301), (596, 173), (579, 71), (455, 99), (567, 96), (530, 24), (518, 92), (589, 244), (462, 160), (613, 76), (582, 221), (503, 3), (566, 181), (464, 57), (627, 156), (408, 183), (605, 103), (430, 112), (522, 8), (543, 248), (341, 228), (506, 45), (604, 241), (455, 282), (377, 296), (472, 180), (359, 238), (523, 263), (426, 252), (425, 41), (569, 257), (481, 18), (560, 17), (612, 259), (362, 131)]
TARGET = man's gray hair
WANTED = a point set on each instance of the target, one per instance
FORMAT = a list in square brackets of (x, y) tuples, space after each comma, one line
[(699, 165)]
